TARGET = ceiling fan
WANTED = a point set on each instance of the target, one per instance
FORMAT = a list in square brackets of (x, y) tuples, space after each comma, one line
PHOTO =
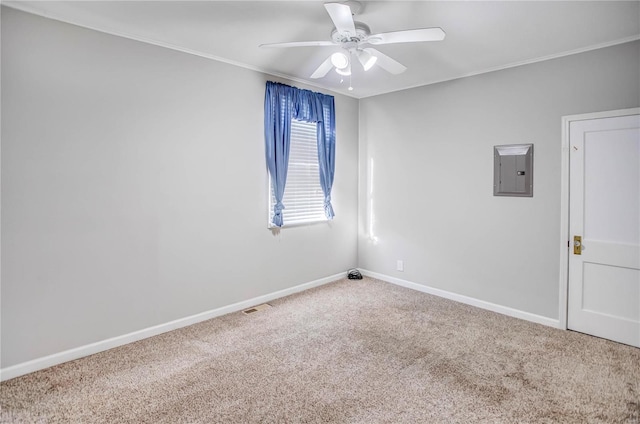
[(356, 39)]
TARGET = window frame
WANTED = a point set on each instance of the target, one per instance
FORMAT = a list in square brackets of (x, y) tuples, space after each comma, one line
[(320, 216)]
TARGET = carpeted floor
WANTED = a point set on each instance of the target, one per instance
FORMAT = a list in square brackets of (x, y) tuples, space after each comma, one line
[(347, 352)]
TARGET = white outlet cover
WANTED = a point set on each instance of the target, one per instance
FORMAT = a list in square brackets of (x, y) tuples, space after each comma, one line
[(400, 265)]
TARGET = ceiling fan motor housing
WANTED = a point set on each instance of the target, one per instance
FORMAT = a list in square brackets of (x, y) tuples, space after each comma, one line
[(362, 32)]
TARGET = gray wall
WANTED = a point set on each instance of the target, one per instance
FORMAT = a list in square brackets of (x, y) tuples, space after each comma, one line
[(432, 150), (134, 189)]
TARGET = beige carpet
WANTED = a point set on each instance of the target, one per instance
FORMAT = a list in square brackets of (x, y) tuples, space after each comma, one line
[(348, 352)]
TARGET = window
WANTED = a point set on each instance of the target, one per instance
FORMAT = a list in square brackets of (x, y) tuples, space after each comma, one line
[(303, 196), (300, 138)]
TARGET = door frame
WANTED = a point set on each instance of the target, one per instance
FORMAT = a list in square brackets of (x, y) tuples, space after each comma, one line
[(565, 237)]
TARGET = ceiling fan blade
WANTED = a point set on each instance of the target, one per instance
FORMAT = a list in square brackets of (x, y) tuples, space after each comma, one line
[(299, 44), (323, 69), (386, 63), (409, 36), (341, 16)]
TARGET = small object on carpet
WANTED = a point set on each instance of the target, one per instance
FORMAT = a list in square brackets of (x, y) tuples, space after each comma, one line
[(354, 274)]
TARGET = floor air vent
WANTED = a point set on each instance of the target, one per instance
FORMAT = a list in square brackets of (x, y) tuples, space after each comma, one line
[(256, 308)]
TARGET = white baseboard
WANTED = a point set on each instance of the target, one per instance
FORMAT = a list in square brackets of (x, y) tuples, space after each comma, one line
[(90, 349), (505, 310)]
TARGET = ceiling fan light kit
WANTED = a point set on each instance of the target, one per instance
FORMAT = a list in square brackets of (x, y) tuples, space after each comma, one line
[(355, 38), (366, 59), (339, 60), (346, 71)]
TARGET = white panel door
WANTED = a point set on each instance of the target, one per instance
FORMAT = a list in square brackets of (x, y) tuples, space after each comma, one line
[(604, 208)]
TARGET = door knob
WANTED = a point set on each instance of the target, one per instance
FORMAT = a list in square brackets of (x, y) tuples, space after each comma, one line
[(577, 245)]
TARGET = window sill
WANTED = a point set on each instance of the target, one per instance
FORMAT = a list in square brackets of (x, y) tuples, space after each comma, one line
[(296, 224)]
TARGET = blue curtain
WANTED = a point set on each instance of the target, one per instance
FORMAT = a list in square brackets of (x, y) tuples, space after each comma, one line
[(283, 103), (278, 104)]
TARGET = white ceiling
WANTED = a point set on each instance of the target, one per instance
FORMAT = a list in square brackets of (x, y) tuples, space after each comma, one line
[(481, 35)]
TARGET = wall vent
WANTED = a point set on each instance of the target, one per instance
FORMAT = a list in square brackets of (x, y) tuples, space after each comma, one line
[(256, 308)]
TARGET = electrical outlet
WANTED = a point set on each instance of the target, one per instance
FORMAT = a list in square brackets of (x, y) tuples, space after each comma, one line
[(400, 265)]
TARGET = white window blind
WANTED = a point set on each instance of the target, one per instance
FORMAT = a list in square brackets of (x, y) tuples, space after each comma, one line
[(303, 197)]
